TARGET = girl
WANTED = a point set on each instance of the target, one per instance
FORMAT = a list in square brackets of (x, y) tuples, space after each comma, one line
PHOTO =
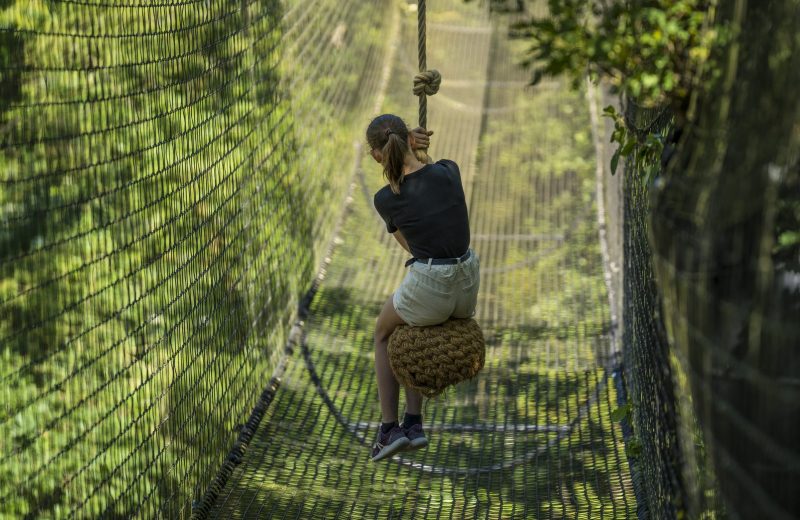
[(424, 208)]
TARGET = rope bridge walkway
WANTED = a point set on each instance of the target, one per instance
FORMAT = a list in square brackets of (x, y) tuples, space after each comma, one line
[(531, 435), (173, 174)]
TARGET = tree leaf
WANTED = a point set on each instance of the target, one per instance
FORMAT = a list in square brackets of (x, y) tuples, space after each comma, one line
[(620, 413), (614, 162), (628, 148)]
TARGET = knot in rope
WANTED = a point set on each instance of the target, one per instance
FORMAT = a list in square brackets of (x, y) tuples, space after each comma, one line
[(427, 83)]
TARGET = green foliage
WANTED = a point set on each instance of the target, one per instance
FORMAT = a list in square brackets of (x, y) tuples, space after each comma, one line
[(622, 413), (156, 230), (787, 220), (654, 51), (130, 210), (633, 445), (543, 304), (633, 448), (564, 272), (645, 150)]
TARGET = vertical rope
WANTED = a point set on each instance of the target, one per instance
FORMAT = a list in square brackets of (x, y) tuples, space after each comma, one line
[(427, 82), (423, 66)]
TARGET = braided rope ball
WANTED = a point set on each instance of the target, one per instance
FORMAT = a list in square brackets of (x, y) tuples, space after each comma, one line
[(429, 359)]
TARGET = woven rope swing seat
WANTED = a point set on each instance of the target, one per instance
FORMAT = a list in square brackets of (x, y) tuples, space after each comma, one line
[(429, 359)]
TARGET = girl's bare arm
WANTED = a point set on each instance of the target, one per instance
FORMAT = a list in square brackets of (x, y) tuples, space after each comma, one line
[(401, 240)]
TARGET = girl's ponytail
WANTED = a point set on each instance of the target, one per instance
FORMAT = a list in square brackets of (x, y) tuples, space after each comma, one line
[(394, 152), (389, 134)]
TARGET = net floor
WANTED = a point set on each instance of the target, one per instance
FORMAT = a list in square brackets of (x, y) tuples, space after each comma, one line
[(530, 437)]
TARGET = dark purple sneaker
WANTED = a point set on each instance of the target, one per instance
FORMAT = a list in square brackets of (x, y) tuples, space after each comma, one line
[(387, 444), (416, 437)]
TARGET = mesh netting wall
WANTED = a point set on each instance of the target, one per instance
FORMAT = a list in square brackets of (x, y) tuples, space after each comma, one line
[(715, 407), (653, 449), (726, 252), (168, 175), (652, 440)]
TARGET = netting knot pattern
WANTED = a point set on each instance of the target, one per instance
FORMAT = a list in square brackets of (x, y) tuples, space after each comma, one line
[(429, 359)]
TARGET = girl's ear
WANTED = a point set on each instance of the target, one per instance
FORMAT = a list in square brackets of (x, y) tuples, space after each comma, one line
[(412, 143), (376, 154)]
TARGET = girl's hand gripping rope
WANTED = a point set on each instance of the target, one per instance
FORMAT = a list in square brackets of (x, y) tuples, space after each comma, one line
[(420, 141)]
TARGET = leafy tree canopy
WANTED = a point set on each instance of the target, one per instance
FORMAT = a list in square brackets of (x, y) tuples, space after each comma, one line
[(656, 52)]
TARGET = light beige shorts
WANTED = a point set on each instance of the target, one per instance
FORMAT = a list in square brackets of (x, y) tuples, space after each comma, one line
[(430, 294)]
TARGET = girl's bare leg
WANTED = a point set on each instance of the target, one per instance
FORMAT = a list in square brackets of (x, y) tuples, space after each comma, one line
[(388, 388), (413, 402)]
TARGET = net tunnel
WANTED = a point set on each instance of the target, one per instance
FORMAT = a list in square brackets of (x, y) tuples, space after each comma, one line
[(191, 267)]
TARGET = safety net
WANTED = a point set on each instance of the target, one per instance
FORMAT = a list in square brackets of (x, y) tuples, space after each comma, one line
[(723, 227), (646, 354), (531, 435), (173, 173), (711, 262), (158, 226), (191, 268)]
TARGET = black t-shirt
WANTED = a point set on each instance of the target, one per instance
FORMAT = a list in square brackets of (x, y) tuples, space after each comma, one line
[(430, 211)]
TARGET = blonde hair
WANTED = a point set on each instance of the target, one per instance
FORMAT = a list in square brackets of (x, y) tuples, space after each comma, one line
[(389, 134)]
